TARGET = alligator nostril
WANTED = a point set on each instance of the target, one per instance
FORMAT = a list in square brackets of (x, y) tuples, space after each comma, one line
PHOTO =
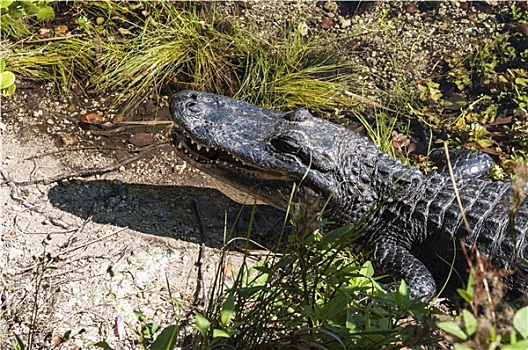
[(190, 104)]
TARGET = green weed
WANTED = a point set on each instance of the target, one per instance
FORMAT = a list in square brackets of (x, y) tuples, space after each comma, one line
[(316, 294)]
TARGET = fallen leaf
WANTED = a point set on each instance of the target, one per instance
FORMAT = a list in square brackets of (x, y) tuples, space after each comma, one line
[(119, 327), (44, 32), (56, 340), (91, 118), (61, 29), (142, 139), (67, 139), (523, 28), (118, 118), (326, 23), (412, 9)]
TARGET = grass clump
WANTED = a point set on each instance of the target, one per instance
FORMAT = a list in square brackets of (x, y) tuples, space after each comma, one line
[(135, 49), (65, 63), (315, 295)]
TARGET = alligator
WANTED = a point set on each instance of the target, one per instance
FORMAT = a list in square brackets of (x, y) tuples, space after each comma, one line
[(413, 222)]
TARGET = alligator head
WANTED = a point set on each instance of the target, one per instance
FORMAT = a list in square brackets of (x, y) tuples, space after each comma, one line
[(260, 151)]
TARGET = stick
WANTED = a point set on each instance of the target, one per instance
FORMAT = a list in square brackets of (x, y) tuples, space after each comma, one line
[(82, 173)]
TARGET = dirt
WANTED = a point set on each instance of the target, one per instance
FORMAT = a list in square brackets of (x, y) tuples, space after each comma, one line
[(80, 255)]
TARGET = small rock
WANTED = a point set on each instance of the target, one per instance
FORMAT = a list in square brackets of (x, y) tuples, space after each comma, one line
[(303, 29), (344, 22), (331, 6), (352, 44), (67, 139)]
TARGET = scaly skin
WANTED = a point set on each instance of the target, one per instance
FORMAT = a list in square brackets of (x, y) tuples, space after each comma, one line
[(413, 222)]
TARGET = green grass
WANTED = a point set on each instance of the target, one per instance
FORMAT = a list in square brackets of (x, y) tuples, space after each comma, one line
[(315, 294), (136, 55)]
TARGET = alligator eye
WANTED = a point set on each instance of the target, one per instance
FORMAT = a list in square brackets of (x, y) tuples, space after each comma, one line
[(298, 115), (192, 106), (289, 143)]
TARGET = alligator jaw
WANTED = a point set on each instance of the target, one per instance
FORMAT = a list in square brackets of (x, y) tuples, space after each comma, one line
[(204, 156)]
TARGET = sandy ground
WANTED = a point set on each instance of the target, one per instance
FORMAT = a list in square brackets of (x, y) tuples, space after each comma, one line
[(78, 255)]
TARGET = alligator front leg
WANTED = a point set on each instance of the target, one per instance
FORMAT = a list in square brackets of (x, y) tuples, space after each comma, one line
[(398, 262)]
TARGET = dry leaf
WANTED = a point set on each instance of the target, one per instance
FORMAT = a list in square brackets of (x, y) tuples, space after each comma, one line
[(142, 139), (326, 23), (91, 118), (44, 32), (61, 29)]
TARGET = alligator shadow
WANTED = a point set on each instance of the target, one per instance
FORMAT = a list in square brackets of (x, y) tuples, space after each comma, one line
[(169, 211)]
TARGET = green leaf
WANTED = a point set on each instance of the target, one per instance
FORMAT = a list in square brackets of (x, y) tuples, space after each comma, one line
[(5, 3), (402, 289), (139, 316), (459, 346), (103, 345), (16, 14), (470, 322), (45, 14), (124, 31), (523, 344), (31, 9), (520, 322), (19, 344), (218, 333), (2, 64), (367, 269), (452, 328), (202, 324), (227, 310), (7, 79), (465, 295), (166, 340), (335, 306)]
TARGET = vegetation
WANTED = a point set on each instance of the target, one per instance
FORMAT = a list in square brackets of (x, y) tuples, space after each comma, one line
[(316, 293)]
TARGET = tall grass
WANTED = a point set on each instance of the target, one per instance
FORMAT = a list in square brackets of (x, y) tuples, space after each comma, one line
[(137, 49)]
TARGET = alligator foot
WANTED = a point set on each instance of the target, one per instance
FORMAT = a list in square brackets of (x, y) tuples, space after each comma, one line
[(399, 262)]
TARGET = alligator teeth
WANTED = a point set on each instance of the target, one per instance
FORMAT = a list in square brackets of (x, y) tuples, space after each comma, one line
[(224, 163), (192, 142), (198, 146), (180, 145), (207, 148)]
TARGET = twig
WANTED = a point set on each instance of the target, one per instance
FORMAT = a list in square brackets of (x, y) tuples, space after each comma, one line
[(57, 38), (82, 173), (92, 242), (14, 189), (200, 283), (457, 195), (97, 148)]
